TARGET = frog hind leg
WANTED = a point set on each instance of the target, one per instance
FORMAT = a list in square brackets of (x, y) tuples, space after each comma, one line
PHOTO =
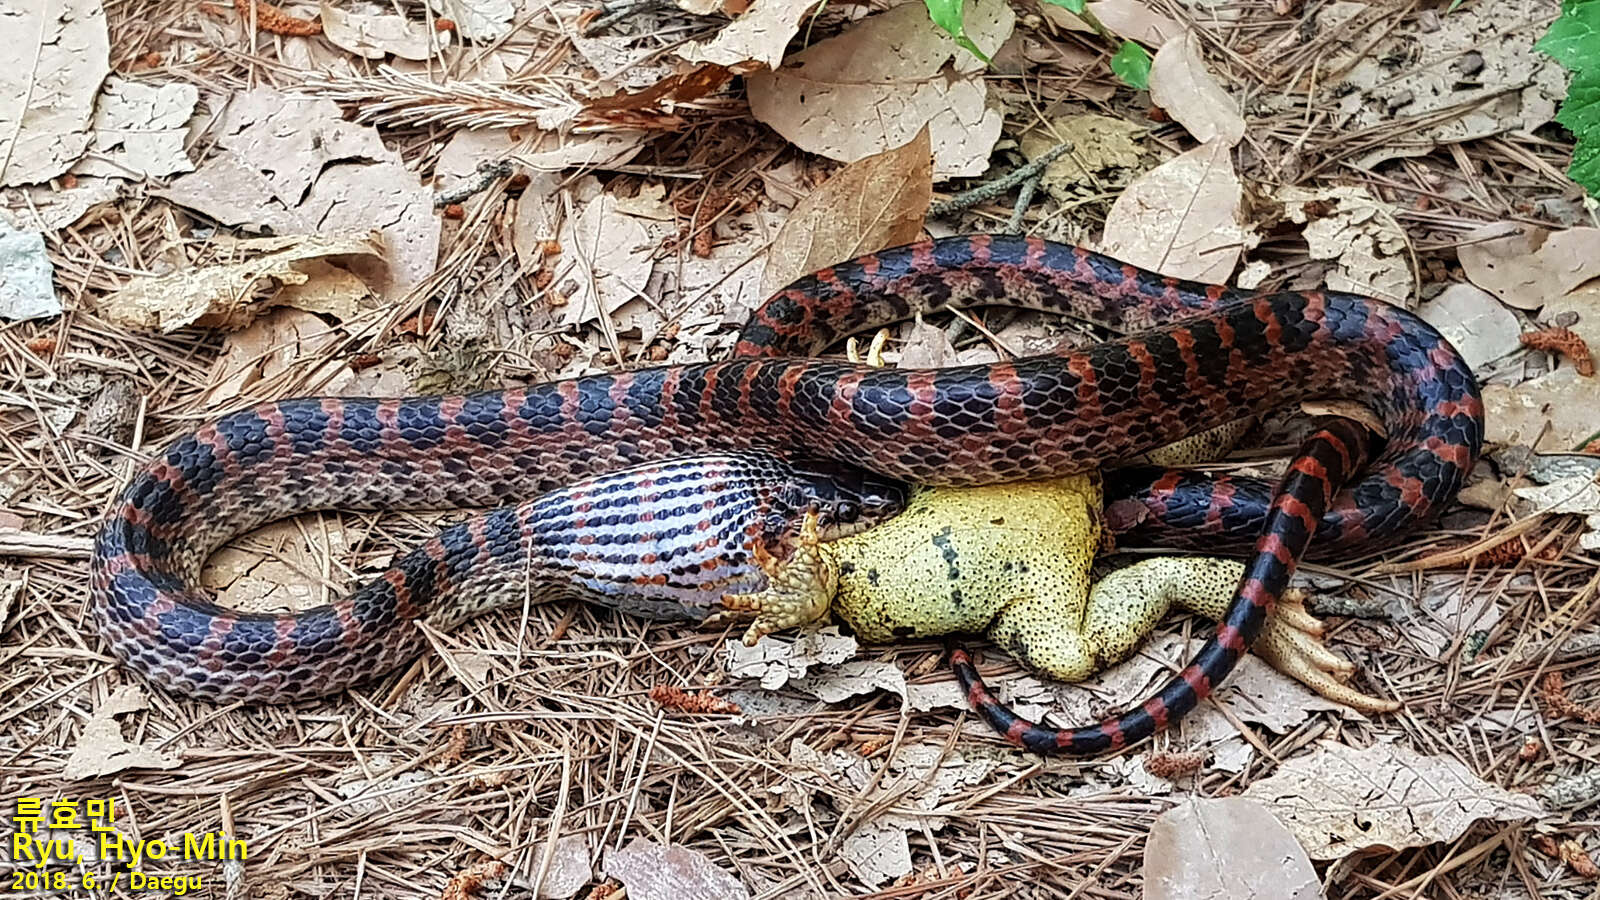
[(1290, 641), (799, 589)]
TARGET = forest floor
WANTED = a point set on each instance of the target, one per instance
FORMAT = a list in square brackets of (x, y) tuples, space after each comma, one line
[(260, 203)]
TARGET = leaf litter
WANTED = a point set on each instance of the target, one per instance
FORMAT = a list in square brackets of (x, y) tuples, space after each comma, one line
[(634, 212)]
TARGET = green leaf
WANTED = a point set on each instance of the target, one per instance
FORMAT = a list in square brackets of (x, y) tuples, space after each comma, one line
[(948, 14), (1132, 65), (1075, 7), (1585, 168), (1581, 110), (1574, 39)]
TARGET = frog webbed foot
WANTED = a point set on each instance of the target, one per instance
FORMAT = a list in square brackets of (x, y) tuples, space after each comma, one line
[(1291, 641), (799, 589)]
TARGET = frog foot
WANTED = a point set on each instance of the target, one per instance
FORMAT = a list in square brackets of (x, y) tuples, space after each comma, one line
[(874, 351), (1292, 642), (799, 590)]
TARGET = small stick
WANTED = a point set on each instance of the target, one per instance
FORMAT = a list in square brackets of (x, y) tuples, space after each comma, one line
[(992, 189), (612, 13), (488, 171)]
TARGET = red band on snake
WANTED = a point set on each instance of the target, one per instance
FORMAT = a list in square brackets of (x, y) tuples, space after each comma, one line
[(1206, 355)]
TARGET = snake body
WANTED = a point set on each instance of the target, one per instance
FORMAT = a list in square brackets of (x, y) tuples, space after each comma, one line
[(662, 541), (1200, 356)]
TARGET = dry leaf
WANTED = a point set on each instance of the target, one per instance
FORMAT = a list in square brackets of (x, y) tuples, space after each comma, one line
[(758, 36), (1181, 218), (274, 342), (605, 263), (650, 108), (1474, 75), (927, 347), (268, 571), (1527, 266), (852, 678), (477, 20), (47, 208), (1474, 322), (1579, 312), (229, 295), (1131, 19), (140, 130), (1181, 85), (1104, 153), (101, 749), (1229, 847), (292, 164), (291, 138), (584, 151), (652, 871), (375, 37), (866, 206), (916, 780), (571, 867), (884, 79), (1359, 233), (392, 199), (1341, 800), (56, 55), (27, 290), (1563, 407), (775, 661), (234, 192)]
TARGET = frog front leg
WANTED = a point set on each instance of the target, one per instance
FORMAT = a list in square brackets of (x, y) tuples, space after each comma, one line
[(799, 589)]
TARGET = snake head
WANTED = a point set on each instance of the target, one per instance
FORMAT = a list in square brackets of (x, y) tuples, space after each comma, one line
[(845, 498)]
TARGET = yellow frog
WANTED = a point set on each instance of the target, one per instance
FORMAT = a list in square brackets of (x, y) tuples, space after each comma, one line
[(1014, 560)]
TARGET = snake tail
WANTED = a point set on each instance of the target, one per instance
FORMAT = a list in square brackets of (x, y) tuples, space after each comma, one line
[(1326, 460)]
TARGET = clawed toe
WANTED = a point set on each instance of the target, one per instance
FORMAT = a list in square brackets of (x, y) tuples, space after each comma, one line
[(1292, 643)]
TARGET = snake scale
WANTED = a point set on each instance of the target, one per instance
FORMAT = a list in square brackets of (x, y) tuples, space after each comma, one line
[(1194, 356)]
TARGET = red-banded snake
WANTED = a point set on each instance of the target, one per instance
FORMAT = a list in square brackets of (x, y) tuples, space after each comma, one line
[(1201, 356)]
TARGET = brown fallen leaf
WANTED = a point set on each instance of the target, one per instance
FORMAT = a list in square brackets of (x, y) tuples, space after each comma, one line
[(866, 206), (265, 349), (1526, 266), (1131, 19), (101, 749), (1181, 218), (1230, 847), (652, 871), (1474, 322), (374, 37), (1105, 153), (50, 86), (1558, 410), (1359, 234), (140, 130), (885, 78), (1181, 84), (1341, 800), (756, 39), (232, 294)]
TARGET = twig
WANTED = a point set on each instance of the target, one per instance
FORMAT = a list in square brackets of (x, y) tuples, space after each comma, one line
[(612, 13), (989, 190), (488, 171)]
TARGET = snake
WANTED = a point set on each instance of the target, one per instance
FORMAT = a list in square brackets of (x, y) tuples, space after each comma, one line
[(1189, 357)]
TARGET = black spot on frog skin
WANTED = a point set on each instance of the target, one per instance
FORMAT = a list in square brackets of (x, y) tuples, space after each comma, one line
[(956, 598), (904, 631), (846, 568), (999, 521), (948, 550), (872, 577)]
